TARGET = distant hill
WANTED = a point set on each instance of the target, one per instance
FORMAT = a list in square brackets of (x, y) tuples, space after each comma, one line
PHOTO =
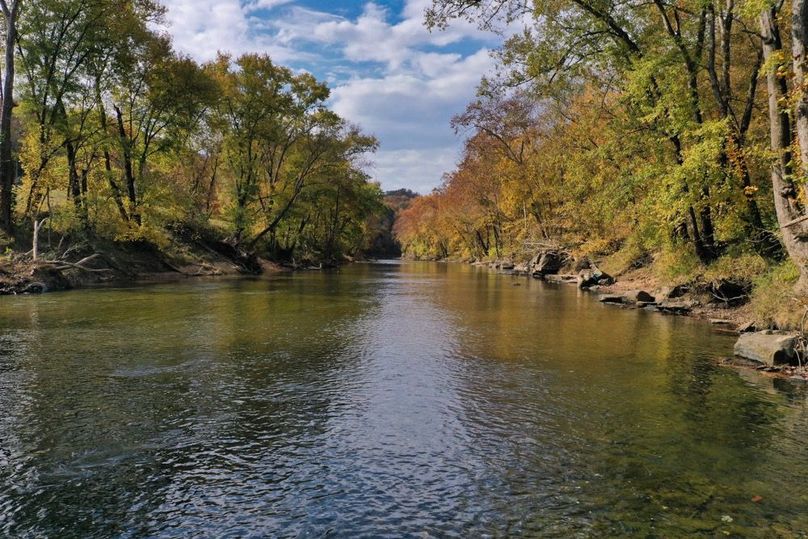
[(399, 199)]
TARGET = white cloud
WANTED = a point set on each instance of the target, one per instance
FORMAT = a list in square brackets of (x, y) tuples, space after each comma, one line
[(419, 170), (395, 79), (202, 28), (371, 37), (265, 4), (413, 110)]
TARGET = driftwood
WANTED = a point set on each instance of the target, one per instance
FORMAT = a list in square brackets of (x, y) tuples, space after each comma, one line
[(60, 265)]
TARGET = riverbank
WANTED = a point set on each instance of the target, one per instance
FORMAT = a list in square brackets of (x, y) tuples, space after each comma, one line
[(94, 261), (724, 301)]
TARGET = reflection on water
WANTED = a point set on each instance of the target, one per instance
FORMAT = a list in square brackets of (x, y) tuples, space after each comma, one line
[(405, 399)]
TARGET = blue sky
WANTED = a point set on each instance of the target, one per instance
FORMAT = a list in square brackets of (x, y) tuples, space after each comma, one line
[(387, 72)]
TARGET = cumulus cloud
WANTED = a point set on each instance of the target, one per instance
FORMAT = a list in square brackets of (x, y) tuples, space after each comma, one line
[(413, 110), (420, 170), (388, 73), (202, 28)]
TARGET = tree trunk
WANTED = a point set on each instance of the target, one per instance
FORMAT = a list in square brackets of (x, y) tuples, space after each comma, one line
[(8, 169), (116, 191), (786, 204), (799, 43), (128, 169), (74, 190)]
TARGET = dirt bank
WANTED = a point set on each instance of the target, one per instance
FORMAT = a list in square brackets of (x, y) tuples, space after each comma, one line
[(92, 262)]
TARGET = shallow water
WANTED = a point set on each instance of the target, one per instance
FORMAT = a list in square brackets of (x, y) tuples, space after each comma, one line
[(399, 400)]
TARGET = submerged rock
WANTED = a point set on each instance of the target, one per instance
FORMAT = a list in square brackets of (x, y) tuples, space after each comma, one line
[(767, 348)]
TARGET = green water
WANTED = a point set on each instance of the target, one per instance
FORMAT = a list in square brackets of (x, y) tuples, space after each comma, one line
[(385, 400)]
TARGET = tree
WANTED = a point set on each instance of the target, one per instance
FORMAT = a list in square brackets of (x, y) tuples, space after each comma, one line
[(8, 168), (279, 135)]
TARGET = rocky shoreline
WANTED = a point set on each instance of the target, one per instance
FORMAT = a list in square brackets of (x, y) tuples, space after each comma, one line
[(722, 304)]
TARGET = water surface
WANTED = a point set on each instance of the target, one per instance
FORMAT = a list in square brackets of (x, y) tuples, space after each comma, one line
[(399, 400)]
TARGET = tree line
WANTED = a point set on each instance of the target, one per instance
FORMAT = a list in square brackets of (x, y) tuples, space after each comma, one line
[(630, 126), (106, 130)]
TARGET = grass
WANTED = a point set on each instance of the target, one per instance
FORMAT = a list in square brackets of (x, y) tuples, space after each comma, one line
[(774, 301)]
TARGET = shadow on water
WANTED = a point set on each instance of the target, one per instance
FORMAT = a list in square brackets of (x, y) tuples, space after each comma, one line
[(412, 399)]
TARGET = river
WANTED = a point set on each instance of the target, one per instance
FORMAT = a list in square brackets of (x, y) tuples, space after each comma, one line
[(388, 399)]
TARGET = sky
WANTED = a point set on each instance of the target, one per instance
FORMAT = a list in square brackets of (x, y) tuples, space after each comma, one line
[(387, 72)]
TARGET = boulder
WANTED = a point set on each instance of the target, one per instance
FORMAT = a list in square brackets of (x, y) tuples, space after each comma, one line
[(548, 263), (612, 298), (640, 296), (767, 347), (591, 277), (675, 292)]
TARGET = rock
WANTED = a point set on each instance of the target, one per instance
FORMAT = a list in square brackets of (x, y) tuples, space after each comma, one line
[(592, 277), (675, 292), (583, 264), (520, 268), (506, 264), (767, 348), (642, 261), (677, 307), (640, 296), (35, 288), (651, 305), (612, 298), (548, 263), (747, 327), (720, 322)]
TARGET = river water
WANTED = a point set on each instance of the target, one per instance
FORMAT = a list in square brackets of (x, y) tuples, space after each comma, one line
[(390, 399)]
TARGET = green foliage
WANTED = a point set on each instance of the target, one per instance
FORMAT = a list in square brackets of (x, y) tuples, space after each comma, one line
[(122, 137), (647, 137)]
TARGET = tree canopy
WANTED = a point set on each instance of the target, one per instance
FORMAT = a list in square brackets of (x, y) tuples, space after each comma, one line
[(115, 134), (634, 127)]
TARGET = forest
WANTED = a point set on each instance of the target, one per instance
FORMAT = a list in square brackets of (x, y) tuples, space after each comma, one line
[(645, 133), (108, 133)]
